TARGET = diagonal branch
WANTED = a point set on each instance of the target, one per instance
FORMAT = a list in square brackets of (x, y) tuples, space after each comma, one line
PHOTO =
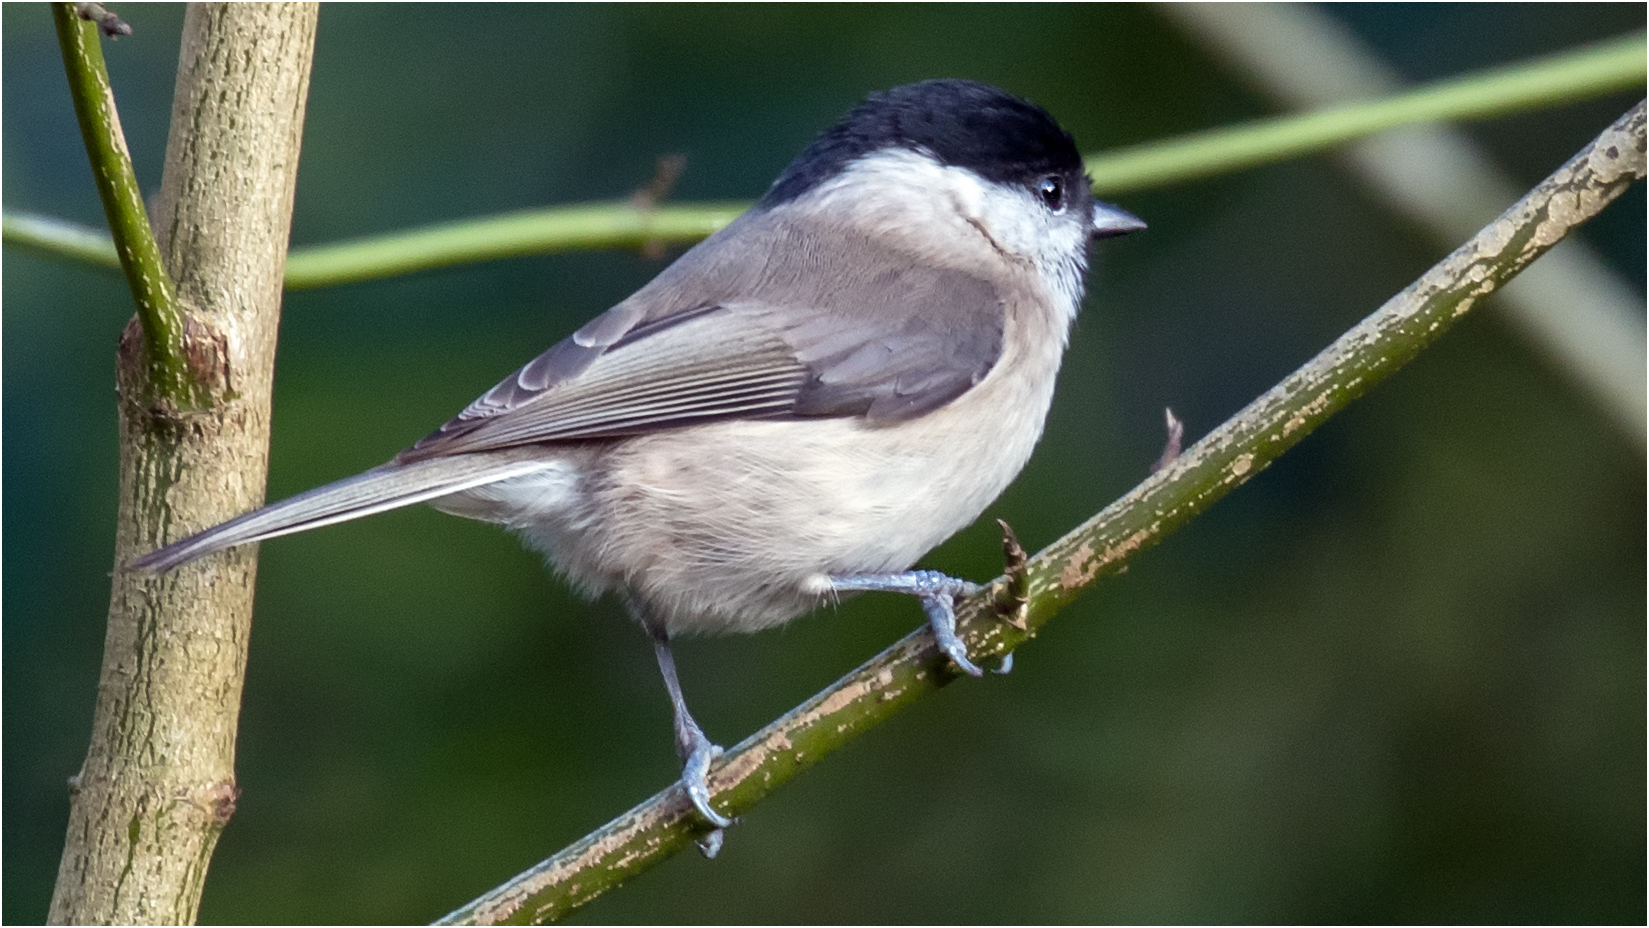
[(1225, 459)]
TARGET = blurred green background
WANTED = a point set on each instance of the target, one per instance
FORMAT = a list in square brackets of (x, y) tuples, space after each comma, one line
[(1399, 677)]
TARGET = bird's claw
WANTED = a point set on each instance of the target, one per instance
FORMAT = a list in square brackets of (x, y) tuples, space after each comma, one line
[(695, 780), (710, 844), (954, 649), (937, 593), (939, 602)]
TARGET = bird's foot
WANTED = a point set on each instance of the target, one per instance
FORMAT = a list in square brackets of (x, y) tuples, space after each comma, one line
[(937, 593), (697, 752)]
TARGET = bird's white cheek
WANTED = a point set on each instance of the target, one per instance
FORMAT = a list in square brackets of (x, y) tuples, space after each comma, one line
[(1055, 243), (967, 196), (1066, 240), (1014, 221)]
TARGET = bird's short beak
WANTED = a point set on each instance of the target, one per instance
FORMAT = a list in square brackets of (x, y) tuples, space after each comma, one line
[(1112, 221)]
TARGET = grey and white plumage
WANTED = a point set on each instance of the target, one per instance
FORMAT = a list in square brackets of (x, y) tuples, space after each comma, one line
[(831, 386)]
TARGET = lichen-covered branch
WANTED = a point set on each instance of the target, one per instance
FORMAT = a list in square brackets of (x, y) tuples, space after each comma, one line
[(158, 783), (1222, 461)]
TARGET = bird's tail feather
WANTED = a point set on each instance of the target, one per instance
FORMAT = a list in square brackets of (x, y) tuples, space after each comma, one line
[(378, 490)]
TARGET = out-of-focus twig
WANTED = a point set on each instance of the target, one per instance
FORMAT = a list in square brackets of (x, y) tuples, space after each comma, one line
[(60, 238), (1562, 78), (648, 198), (1566, 77), (1575, 311), (107, 22)]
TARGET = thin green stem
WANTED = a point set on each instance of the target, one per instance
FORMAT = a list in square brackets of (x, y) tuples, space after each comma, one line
[(562, 228), (1227, 458), (1610, 66), (1563, 78), (59, 238), (134, 239)]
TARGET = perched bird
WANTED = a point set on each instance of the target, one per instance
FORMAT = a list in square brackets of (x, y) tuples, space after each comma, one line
[(801, 406)]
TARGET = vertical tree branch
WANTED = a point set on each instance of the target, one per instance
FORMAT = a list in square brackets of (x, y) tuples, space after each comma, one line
[(158, 783)]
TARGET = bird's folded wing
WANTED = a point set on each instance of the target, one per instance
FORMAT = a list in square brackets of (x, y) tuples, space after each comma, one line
[(884, 346)]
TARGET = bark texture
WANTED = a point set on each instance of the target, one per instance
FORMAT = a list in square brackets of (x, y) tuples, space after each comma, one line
[(158, 784)]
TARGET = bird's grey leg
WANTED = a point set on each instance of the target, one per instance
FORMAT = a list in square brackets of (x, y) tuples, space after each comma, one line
[(936, 592), (695, 750)]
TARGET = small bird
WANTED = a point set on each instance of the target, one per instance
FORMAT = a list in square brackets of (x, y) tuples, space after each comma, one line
[(799, 407)]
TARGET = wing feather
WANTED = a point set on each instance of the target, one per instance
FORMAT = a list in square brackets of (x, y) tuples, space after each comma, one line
[(751, 326), (378, 490)]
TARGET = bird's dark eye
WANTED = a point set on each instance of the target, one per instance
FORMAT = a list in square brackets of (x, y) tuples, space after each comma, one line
[(1052, 191)]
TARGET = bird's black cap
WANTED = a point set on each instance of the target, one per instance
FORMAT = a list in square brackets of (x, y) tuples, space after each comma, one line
[(961, 123)]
